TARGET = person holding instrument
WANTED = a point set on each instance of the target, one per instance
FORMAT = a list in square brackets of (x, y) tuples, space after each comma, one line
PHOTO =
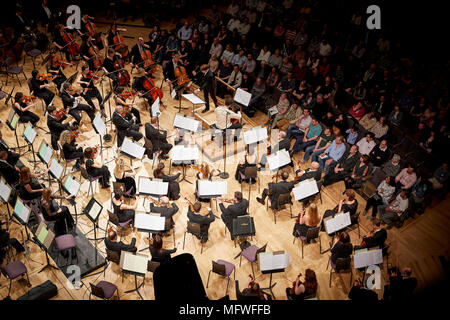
[(39, 88), (125, 128), (204, 173), (141, 57), (342, 248), (124, 174), (174, 186), (115, 40), (301, 290), (88, 81), (207, 84), (158, 139), (88, 28), (376, 237), (52, 211), (138, 85), (11, 156), (112, 244), (21, 106), (70, 149), (109, 66), (237, 208), (348, 204), (253, 289), (275, 189), (54, 67), (194, 216), (71, 102), (129, 108), (158, 253), (96, 168), (29, 188), (7, 170), (56, 125), (163, 208), (124, 212), (250, 160), (306, 220)]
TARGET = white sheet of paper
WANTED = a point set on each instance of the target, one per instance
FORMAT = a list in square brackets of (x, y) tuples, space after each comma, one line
[(133, 263), (367, 258), (5, 191), (212, 188), (56, 169), (305, 189), (192, 98), (99, 124), (95, 211), (339, 222), (29, 134), (45, 152), (269, 261), (22, 211), (182, 153), (273, 110), (132, 149), (279, 159), (147, 186), (255, 135), (72, 186), (148, 222), (155, 108), (185, 123), (243, 97)]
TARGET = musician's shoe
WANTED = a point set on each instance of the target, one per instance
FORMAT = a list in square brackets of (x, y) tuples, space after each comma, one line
[(204, 240), (205, 110), (260, 200)]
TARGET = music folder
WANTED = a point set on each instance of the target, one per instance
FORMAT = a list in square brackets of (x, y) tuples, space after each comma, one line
[(364, 258), (5, 191), (305, 188), (149, 223), (149, 187), (338, 222), (243, 97), (212, 188), (243, 226), (278, 160), (45, 152), (29, 134), (132, 149), (184, 122), (93, 210), (181, 153), (272, 261), (255, 135), (133, 263), (99, 125), (44, 236), (71, 186), (155, 108), (22, 211)]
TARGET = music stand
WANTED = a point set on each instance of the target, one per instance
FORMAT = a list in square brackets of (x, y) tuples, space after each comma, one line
[(136, 265), (132, 150), (305, 190), (364, 258), (29, 135), (277, 161), (12, 121), (272, 262), (22, 213), (184, 155), (184, 122), (71, 187), (5, 193), (178, 90), (212, 189), (44, 238), (243, 226), (336, 223), (192, 98), (92, 211), (55, 171), (100, 128), (148, 187), (149, 223)]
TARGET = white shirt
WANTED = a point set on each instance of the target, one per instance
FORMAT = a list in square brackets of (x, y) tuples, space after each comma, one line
[(222, 121), (364, 146), (400, 204), (304, 122), (263, 56), (233, 24), (47, 11), (324, 50)]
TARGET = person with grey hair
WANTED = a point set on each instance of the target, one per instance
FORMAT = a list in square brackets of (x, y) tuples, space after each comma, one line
[(392, 167)]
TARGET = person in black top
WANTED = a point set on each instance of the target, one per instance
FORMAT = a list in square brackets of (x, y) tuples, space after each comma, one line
[(55, 67), (7, 170), (344, 167), (275, 189), (70, 149), (348, 204), (194, 216), (376, 237), (12, 157), (90, 91), (158, 253), (56, 126), (125, 128), (282, 143), (158, 139), (108, 65), (164, 209), (132, 111), (124, 212), (22, 109), (312, 172), (359, 293), (29, 188), (73, 105), (207, 84), (238, 208), (85, 20), (342, 248), (95, 168), (58, 41), (136, 57), (40, 88), (138, 85), (174, 187), (379, 154), (52, 211), (112, 244), (401, 285)]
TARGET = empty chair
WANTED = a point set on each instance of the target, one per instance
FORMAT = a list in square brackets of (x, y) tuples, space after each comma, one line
[(13, 70), (311, 234), (31, 52), (251, 254), (342, 264), (194, 229), (283, 199), (66, 242), (13, 270), (104, 290), (224, 269), (250, 174)]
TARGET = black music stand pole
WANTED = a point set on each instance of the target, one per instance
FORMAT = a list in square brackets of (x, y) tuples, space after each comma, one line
[(224, 174), (48, 265)]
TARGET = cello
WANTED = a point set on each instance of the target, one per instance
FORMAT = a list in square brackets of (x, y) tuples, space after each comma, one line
[(123, 77), (119, 45), (146, 56), (97, 59), (72, 46), (182, 77), (154, 91), (92, 31)]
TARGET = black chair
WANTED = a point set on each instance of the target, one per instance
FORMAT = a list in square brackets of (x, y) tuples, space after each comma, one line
[(168, 228), (111, 256), (319, 187), (222, 268), (13, 70), (311, 234), (104, 290), (31, 52), (194, 229), (87, 177), (149, 146), (355, 222), (342, 264), (283, 199), (250, 173), (114, 219)]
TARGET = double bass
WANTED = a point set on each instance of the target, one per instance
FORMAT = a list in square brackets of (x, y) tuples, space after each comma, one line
[(123, 77)]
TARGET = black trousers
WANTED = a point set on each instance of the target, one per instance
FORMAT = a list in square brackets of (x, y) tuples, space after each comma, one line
[(12, 158), (132, 132), (374, 203), (136, 114), (76, 112), (63, 220), (206, 94), (91, 94), (29, 116), (46, 95), (54, 140), (76, 154)]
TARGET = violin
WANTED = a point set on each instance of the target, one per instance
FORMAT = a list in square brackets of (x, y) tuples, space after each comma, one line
[(123, 77), (93, 75), (60, 113), (191, 205), (119, 45), (73, 91), (158, 204), (95, 150), (292, 290), (44, 76), (72, 46), (74, 134), (126, 109), (55, 62), (28, 99), (226, 200)]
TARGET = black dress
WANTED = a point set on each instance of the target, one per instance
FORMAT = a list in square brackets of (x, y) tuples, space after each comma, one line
[(25, 195), (63, 220), (351, 208), (95, 172), (26, 116), (129, 182), (174, 187), (123, 215), (301, 229), (161, 256), (341, 250)]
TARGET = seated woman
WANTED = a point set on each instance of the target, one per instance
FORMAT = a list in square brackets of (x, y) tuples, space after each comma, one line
[(306, 220), (360, 170), (96, 168), (29, 188), (22, 107), (348, 204), (301, 290), (125, 176), (70, 149), (368, 120), (123, 211), (204, 173), (385, 191), (174, 187), (253, 288), (158, 253), (342, 248), (52, 211), (250, 160)]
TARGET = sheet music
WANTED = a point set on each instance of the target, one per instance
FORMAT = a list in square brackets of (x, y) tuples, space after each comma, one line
[(269, 261), (155, 108), (149, 222), (99, 124), (255, 135), (56, 169), (45, 152), (212, 188), (133, 263), (242, 97), (182, 153), (29, 134), (367, 258), (72, 186), (273, 110), (279, 159), (147, 186), (192, 98), (95, 210), (339, 222), (5, 191), (44, 235), (132, 149), (22, 211), (185, 123), (305, 189)]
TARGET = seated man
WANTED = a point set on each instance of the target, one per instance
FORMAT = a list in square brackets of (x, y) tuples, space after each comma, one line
[(401, 285), (165, 211), (332, 154), (344, 167), (376, 237), (283, 143), (361, 294), (113, 244), (300, 126), (289, 118), (380, 154), (125, 128), (275, 189), (440, 177), (158, 139), (258, 90), (393, 211), (312, 172), (238, 208), (309, 138), (366, 144), (194, 216), (405, 179)]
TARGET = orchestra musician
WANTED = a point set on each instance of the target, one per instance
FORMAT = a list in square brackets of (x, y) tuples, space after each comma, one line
[(164, 210), (174, 187), (56, 126), (70, 149), (283, 143), (194, 216), (169, 71), (136, 55), (8, 171), (112, 244), (97, 168), (39, 88), (29, 187), (204, 173), (52, 211), (306, 220), (22, 107), (124, 212), (59, 36), (138, 86), (71, 102), (108, 65), (238, 208), (223, 122), (157, 252), (11, 156), (348, 204), (55, 67), (250, 160), (125, 175), (87, 81), (376, 237), (313, 172), (125, 128), (112, 33), (301, 290), (86, 55), (275, 189), (86, 26), (158, 139), (119, 99), (207, 84)]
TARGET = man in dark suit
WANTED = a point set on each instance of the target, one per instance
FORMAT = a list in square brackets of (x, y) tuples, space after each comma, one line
[(112, 244), (125, 128), (194, 216), (275, 189), (376, 237), (20, 22), (239, 208), (158, 139), (71, 103), (207, 84), (8, 171), (283, 143), (312, 172), (344, 167), (164, 209), (382, 107), (56, 126)]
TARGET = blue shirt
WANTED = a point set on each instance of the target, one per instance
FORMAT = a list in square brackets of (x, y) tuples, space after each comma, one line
[(351, 138), (239, 60), (314, 131), (335, 151)]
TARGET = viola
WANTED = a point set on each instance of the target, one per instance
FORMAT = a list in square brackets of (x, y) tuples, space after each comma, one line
[(158, 204), (28, 99), (126, 109), (55, 62), (123, 77), (93, 75), (149, 85), (119, 45), (72, 46), (292, 290)]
